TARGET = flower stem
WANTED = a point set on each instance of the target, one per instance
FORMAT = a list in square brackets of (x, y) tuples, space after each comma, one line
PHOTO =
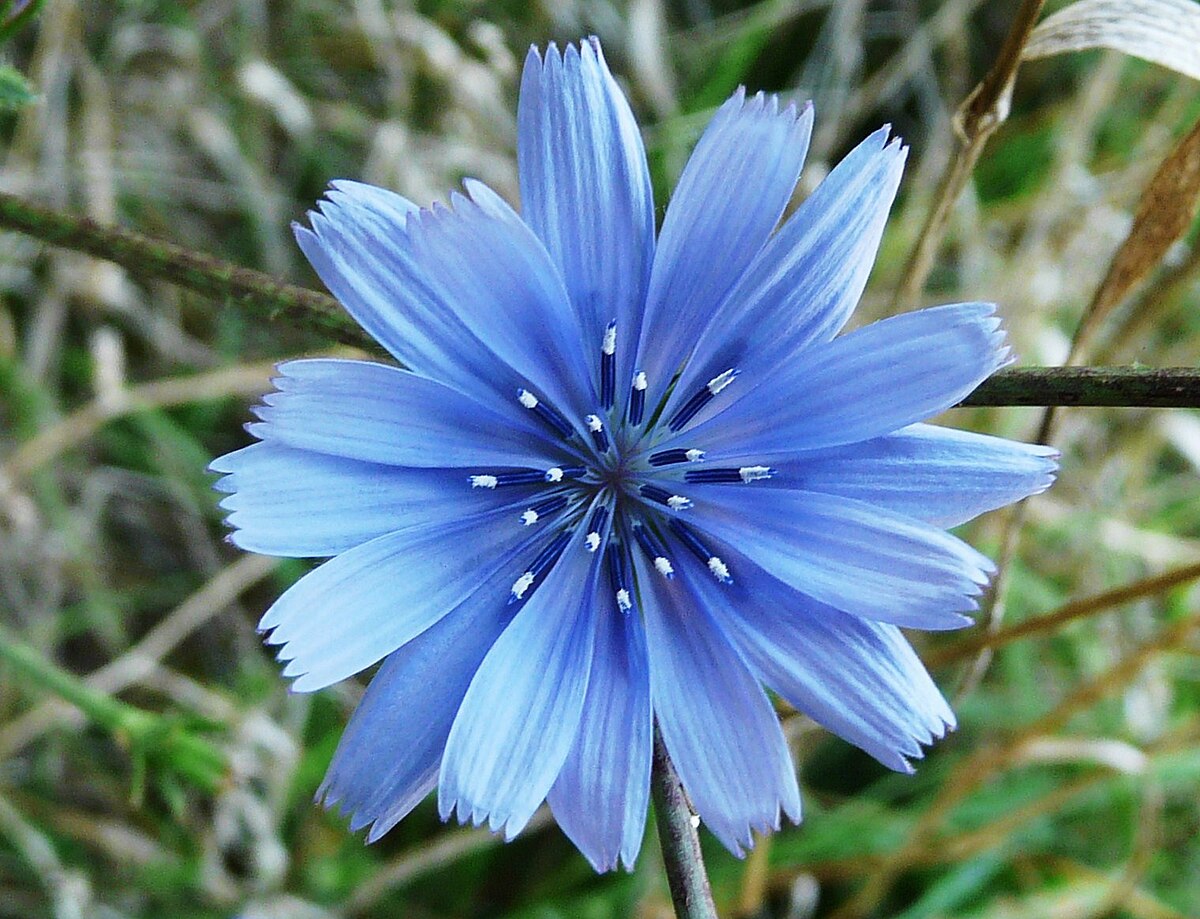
[(146, 735), (690, 891)]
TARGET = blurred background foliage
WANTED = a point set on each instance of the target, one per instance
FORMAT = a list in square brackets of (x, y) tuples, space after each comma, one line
[(1070, 788)]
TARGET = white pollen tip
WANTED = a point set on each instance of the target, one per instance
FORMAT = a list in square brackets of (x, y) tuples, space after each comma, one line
[(640, 382), (755, 473), (721, 380), (595, 425), (609, 345), (679, 503), (592, 540), (624, 604), (483, 481), (694, 456), (719, 569), (663, 566), (530, 517), (527, 399), (522, 584), (554, 474)]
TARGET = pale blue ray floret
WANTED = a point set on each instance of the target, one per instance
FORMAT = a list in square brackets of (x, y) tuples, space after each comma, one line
[(623, 478)]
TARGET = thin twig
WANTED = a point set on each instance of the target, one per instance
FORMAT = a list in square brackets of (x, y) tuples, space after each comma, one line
[(145, 257), (1076, 609)]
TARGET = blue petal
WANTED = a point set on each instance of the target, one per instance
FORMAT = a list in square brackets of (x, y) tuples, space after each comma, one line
[(870, 382), (380, 414), (585, 189), (390, 208), (364, 604), (850, 555), (940, 475), (717, 723), (467, 295), (806, 281), (860, 679), (522, 710), (299, 504), (601, 794), (389, 756), (730, 197)]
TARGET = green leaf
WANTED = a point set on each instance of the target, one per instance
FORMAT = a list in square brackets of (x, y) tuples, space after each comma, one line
[(15, 91)]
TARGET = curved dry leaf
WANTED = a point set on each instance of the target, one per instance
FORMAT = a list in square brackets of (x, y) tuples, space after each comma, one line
[(1166, 211), (1165, 32)]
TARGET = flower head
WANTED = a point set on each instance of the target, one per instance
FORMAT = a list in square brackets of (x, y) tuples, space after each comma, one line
[(623, 479)]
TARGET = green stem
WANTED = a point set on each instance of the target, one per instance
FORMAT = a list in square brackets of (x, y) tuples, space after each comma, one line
[(1129, 387), (145, 734), (259, 293), (690, 891)]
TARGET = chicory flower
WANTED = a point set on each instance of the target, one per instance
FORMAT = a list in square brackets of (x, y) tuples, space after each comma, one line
[(622, 479)]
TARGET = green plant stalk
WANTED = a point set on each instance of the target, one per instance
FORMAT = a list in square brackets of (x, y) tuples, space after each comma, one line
[(1120, 387), (145, 734), (265, 296), (677, 837)]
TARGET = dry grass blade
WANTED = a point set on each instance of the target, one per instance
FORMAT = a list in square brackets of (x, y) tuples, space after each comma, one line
[(1076, 609), (980, 114), (1165, 32), (74, 429), (1167, 209)]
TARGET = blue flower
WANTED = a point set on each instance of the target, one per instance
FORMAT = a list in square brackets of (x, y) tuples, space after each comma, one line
[(622, 479)]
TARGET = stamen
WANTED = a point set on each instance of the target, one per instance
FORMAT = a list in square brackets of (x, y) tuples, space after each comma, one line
[(743, 474), (701, 398), (662, 496), (671, 457), (558, 473), (608, 365), (599, 518), (520, 585), (618, 574), (599, 436), (545, 412), (689, 538), (637, 398), (543, 509), (484, 481), (540, 565), (509, 478), (654, 550)]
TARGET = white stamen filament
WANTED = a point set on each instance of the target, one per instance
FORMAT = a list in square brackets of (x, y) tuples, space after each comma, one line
[(679, 503), (527, 399), (640, 381), (594, 424), (530, 517), (694, 455), (593, 541), (483, 481), (624, 604), (522, 584), (554, 474), (719, 569), (721, 380), (755, 473), (663, 566)]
